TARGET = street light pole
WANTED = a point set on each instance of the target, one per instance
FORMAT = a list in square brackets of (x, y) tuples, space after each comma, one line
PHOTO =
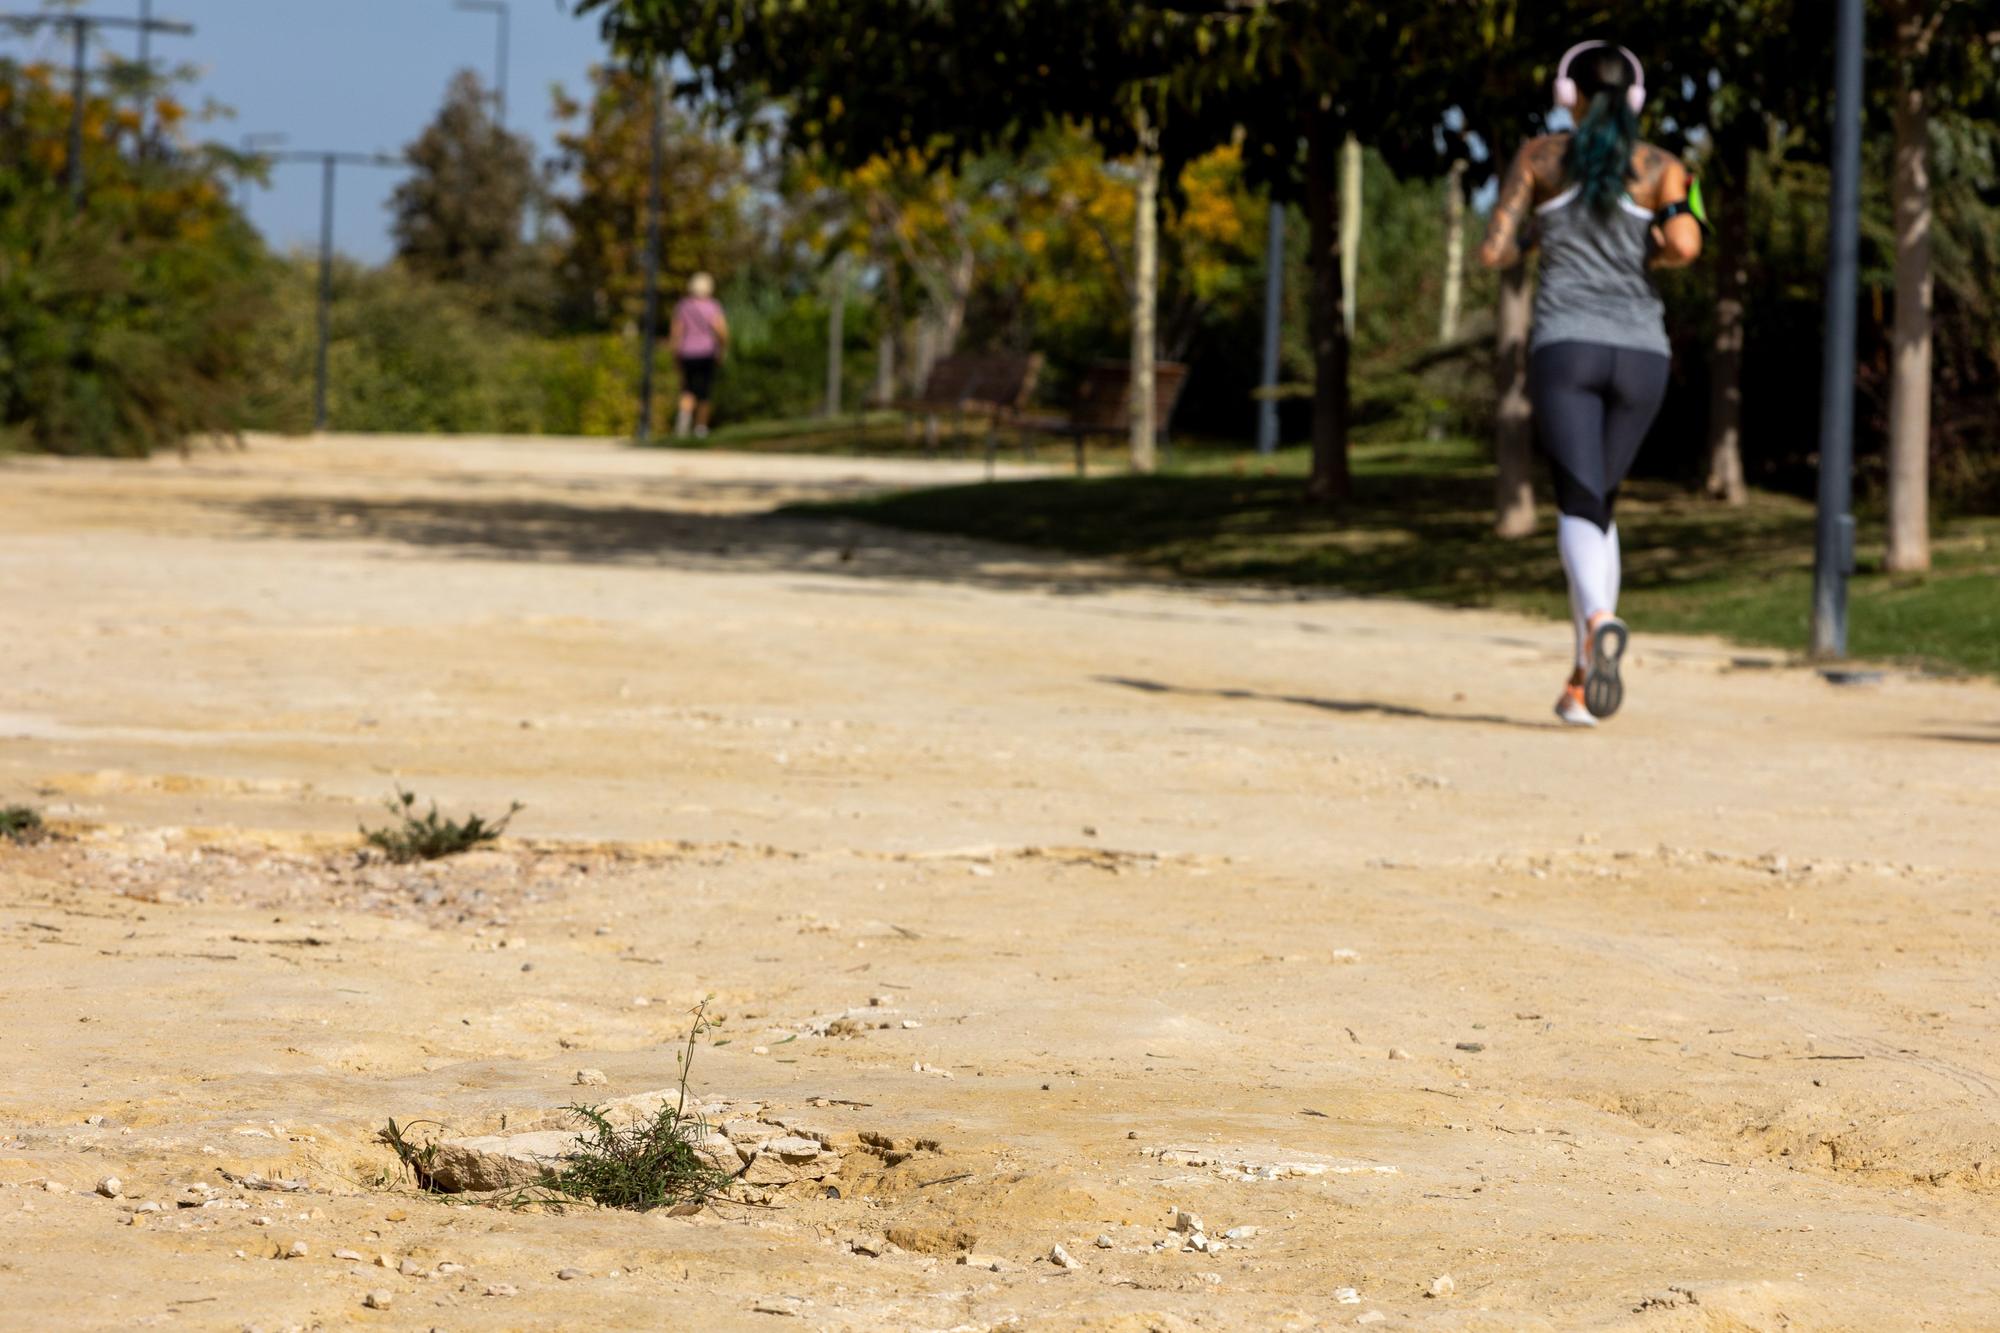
[(329, 165), (500, 10), (651, 339), (1833, 557), (1274, 308)]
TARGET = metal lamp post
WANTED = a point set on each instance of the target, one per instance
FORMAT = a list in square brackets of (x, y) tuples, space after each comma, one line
[(329, 166), (1833, 557)]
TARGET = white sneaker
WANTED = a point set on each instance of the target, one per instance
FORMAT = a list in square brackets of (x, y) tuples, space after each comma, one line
[(1572, 709)]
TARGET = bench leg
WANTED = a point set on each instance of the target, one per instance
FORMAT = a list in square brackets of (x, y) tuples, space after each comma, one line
[(992, 445), (1081, 467)]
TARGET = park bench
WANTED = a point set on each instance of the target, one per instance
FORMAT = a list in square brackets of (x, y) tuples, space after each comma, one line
[(1103, 405), (993, 386)]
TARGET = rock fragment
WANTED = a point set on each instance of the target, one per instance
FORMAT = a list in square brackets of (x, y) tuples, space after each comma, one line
[(991, 1263), (111, 1187), (502, 1289), (570, 1274), (379, 1300), (591, 1078), (1186, 1222), (1104, 1242), (1441, 1286), (1347, 1296), (1061, 1258)]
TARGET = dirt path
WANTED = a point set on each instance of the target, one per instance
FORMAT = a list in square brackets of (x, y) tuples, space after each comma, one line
[(1296, 912)]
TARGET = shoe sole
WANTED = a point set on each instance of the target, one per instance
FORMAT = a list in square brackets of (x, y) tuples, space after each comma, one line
[(1603, 689)]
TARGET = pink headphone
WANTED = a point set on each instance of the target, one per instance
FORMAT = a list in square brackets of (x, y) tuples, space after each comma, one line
[(1566, 91)]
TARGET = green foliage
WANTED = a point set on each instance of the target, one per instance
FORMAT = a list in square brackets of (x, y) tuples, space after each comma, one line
[(649, 1163), (459, 213), (21, 824), (604, 152), (430, 836), (418, 1159), (128, 327)]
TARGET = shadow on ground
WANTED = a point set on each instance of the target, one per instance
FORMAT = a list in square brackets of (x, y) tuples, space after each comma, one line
[(1345, 706)]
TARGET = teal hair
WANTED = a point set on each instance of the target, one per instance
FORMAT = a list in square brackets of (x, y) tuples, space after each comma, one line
[(1599, 160)]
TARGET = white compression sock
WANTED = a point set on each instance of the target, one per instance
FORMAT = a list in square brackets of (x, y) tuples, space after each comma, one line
[(1589, 558), (1615, 569)]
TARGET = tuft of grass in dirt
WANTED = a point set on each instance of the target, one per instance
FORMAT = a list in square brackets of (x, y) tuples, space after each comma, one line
[(648, 1164), (22, 824), (430, 836), (1420, 526)]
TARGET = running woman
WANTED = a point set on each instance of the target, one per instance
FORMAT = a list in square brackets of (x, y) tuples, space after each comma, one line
[(1605, 208)]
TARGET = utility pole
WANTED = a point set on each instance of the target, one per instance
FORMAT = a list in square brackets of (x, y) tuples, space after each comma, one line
[(81, 26), (329, 165), (1274, 315), (499, 9), (1833, 556), (650, 340)]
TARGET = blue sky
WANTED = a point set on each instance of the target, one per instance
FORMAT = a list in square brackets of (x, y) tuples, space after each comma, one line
[(361, 75)]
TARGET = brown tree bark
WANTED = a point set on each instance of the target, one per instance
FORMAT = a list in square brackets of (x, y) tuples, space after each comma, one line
[(1513, 442), (1454, 253), (1909, 544), (1731, 220), (1326, 323), (1145, 300)]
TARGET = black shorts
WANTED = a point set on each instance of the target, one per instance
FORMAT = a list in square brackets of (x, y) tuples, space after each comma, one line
[(698, 377)]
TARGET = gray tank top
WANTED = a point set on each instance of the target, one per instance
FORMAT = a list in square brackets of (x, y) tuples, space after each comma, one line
[(1594, 286)]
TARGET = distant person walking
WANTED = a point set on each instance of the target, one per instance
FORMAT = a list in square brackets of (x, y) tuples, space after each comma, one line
[(699, 336), (1605, 208)]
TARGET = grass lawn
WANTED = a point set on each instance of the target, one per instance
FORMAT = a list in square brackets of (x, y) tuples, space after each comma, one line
[(1420, 527)]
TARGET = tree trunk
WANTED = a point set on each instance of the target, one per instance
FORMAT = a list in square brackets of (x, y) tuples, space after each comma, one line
[(1350, 230), (887, 343), (1454, 253), (1732, 280), (1910, 392), (1145, 300), (1513, 443), (1326, 324)]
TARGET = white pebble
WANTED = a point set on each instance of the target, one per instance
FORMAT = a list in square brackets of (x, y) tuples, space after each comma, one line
[(111, 1187), (591, 1078), (1347, 1295), (570, 1274), (1061, 1258), (1104, 1242), (1371, 1317), (760, 1050), (379, 1300), (1442, 1285), (348, 1256), (296, 1250), (1239, 1233), (503, 1289), (1398, 1053)]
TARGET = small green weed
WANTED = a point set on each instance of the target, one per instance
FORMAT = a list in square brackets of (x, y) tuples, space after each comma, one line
[(419, 1159), (22, 824), (648, 1164), (430, 836)]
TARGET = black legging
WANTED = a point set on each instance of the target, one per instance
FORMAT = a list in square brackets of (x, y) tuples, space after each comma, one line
[(1593, 407)]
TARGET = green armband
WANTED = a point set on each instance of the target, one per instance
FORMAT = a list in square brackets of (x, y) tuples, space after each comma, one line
[(1692, 206)]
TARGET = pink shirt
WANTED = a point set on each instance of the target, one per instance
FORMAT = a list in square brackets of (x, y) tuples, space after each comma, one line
[(698, 318)]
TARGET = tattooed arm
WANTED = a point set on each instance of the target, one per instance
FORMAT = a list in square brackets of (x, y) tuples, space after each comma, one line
[(1677, 242), (1510, 232)]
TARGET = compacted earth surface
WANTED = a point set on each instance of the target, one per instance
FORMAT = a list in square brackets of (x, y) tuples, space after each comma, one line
[(1081, 950)]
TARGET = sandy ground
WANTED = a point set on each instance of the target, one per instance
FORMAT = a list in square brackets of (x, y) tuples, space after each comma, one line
[(1297, 912)]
